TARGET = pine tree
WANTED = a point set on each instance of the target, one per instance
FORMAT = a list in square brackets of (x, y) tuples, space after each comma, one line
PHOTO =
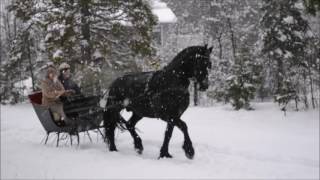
[(79, 29), (229, 24), (284, 45), (90, 34), (21, 64), (312, 6), (242, 84)]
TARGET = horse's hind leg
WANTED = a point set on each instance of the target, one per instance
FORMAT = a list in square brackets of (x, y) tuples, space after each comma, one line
[(131, 127), (110, 122), (164, 152), (187, 145)]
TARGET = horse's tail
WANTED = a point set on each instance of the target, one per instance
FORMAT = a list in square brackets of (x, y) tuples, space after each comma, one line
[(112, 117)]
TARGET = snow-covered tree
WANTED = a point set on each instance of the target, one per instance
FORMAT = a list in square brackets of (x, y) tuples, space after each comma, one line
[(242, 84), (23, 62), (284, 45), (84, 30), (91, 34), (230, 26), (312, 6)]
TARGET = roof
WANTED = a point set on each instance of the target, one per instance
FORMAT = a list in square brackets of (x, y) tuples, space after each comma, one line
[(163, 12)]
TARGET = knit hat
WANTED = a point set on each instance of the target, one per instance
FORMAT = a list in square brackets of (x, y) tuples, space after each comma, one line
[(64, 66)]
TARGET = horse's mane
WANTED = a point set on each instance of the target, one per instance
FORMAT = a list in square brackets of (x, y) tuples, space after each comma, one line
[(182, 56)]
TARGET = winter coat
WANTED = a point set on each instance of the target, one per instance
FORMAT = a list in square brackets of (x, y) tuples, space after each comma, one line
[(49, 92), (68, 84)]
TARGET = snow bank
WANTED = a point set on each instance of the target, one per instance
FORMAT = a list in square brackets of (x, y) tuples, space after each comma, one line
[(228, 144)]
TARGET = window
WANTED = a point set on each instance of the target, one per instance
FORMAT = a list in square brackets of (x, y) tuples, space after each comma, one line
[(157, 35)]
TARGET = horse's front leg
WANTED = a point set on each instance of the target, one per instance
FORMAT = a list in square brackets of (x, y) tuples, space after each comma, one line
[(167, 136), (131, 127), (187, 145)]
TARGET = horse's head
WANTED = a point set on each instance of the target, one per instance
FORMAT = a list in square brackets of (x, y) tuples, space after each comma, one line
[(201, 64), (193, 62)]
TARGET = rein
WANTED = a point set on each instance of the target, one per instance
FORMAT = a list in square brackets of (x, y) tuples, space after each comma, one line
[(148, 80)]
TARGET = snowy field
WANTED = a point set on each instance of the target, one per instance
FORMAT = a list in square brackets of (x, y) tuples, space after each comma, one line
[(228, 144)]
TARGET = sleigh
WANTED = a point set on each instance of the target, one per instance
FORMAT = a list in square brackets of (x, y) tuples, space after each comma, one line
[(84, 114)]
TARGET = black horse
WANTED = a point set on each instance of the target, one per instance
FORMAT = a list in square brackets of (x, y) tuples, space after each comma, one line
[(160, 94)]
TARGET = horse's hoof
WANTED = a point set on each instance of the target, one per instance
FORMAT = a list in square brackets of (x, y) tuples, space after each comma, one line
[(165, 155), (138, 150), (112, 149), (189, 156), (138, 147), (189, 151)]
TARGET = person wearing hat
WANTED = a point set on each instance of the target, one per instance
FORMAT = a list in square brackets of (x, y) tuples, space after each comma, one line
[(65, 79), (52, 90)]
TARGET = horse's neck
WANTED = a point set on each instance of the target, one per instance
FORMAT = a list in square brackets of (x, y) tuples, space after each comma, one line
[(180, 66), (175, 78), (175, 74)]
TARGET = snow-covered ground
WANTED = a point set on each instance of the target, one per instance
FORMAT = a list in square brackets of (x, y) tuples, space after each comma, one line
[(229, 144)]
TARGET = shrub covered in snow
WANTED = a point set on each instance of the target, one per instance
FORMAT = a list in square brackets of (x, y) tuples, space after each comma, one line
[(242, 84)]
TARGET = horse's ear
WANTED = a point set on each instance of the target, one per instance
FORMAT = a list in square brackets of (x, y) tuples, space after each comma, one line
[(205, 46), (210, 49)]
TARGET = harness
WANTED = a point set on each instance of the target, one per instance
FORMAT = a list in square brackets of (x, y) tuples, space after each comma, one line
[(202, 56), (150, 76), (146, 91)]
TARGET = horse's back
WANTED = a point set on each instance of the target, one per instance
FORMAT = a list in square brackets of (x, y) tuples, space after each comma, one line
[(129, 85)]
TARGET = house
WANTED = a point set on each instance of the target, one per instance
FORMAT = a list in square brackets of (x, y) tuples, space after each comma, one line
[(166, 17), (172, 34)]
